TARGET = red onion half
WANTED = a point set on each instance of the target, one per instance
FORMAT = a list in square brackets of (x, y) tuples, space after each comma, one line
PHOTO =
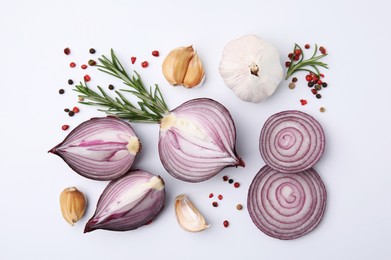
[(197, 140), (286, 205), (100, 148), (291, 141), (128, 202)]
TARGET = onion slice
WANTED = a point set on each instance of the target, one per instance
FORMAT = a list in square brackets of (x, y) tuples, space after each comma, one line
[(291, 141), (100, 148), (286, 205), (197, 140), (128, 202)]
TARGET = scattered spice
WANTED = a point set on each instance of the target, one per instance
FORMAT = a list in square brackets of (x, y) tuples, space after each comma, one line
[(111, 87), (322, 109), (318, 96), (67, 51), (287, 64), (215, 204), (314, 91), (71, 113), (211, 195), (292, 85), (236, 184), (303, 102), (91, 62), (70, 82), (92, 51), (324, 84), (72, 64), (155, 53), (65, 127), (87, 78), (80, 98), (225, 178), (294, 79), (66, 110), (144, 64), (220, 197), (307, 46), (230, 181), (133, 59), (225, 223), (76, 110), (84, 66), (318, 87), (61, 91), (239, 207)]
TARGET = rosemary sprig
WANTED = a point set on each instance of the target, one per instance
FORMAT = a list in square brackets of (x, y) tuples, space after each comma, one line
[(150, 109), (310, 65)]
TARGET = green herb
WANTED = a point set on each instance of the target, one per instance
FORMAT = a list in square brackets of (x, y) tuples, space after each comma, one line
[(298, 63), (150, 109)]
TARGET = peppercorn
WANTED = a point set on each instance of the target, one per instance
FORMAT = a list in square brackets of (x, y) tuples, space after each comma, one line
[(292, 85), (61, 91), (239, 207), (133, 59), (287, 64), (294, 79), (215, 204), (225, 223), (84, 66), (318, 96), (87, 78), (322, 109), (67, 51), (236, 184), (76, 110), (111, 87), (211, 195), (309, 78), (155, 53), (65, 127), (91, 62), (92, 50), (225, 178), (71, 113), (318, 87), (314, 91), (144, 64), (72, 64), (66, 110), (220, 197), (230, 181), (303, 102), (307, 46), (80, 98), (310, 84), (297, 52), (324, 84), (70, 82)]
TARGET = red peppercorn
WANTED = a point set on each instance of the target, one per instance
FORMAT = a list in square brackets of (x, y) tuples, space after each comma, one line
[(87, 78), (67, 51), (287, 64), (322, 50), (319, 82), (303, 102), (155, 53), (225, 223), (72, 64), (211, 195), (307, 46), (290, 55), (133, 59), (144, 64), (236, 184), (220, 197), (215, 204), (297, 52), (296, 57), (314, 91), (65, 127), (76, 109), (309, 77), (225, 178), (84, 66), (321, 75)]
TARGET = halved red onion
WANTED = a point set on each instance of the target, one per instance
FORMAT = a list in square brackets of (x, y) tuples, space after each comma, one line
[(100, 148), (128, 202), (197, 140), (291, 141), (286, 205)]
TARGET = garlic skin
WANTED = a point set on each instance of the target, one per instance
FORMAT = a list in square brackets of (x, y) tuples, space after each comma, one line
[(183, 67), (188, 216), (251, 67), (73, 204)]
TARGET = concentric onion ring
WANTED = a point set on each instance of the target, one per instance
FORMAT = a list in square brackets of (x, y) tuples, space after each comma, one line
[(291, 141), (286, 205)]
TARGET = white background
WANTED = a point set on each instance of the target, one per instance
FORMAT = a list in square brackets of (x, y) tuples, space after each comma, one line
[(355, 167)]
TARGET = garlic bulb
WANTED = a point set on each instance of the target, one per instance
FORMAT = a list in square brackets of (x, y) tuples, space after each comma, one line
[(189, 218), (251, 67), (183, 67)]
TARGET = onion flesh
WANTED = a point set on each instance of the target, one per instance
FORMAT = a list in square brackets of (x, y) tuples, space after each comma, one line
[(291, 141), (286, 205), (100, 148), (128, 202), (197, 140)]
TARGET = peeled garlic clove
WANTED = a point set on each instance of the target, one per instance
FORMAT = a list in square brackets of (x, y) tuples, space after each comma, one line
[(73, 204), (100, 148), (128, 202), (251, 67), (195, 73), (189, 218), (182, 67)]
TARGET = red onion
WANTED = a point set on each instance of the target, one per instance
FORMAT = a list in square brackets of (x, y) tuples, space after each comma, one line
[(128, 202), (197, 140), (100, 148), (291, 141), (286, 205)]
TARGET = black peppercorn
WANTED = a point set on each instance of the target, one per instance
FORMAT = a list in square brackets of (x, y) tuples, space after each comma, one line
[(70, 82), (92, 51), (230, 181), (311, 84), (71, 113), (61, 91), (324, 84), (111, 87), (318, 96)]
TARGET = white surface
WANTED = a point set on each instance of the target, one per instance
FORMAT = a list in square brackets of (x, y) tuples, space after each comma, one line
[(355, 167)]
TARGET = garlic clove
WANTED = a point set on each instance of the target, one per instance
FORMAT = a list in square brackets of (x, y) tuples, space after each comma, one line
[(195, 73), (176, 63), (189, 218), (73, 204)]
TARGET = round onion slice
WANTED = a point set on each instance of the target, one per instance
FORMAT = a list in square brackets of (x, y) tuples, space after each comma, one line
[(128, 202), (100, 148), (286, 205), (291, 141), (197, 140)]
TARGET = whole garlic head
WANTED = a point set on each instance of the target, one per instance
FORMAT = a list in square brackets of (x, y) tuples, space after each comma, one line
[(251, 67)]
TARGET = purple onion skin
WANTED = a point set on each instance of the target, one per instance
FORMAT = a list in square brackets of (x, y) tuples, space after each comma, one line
[(134, 213), (197, 140), (286, 205), (98, 148), (291, 141)]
